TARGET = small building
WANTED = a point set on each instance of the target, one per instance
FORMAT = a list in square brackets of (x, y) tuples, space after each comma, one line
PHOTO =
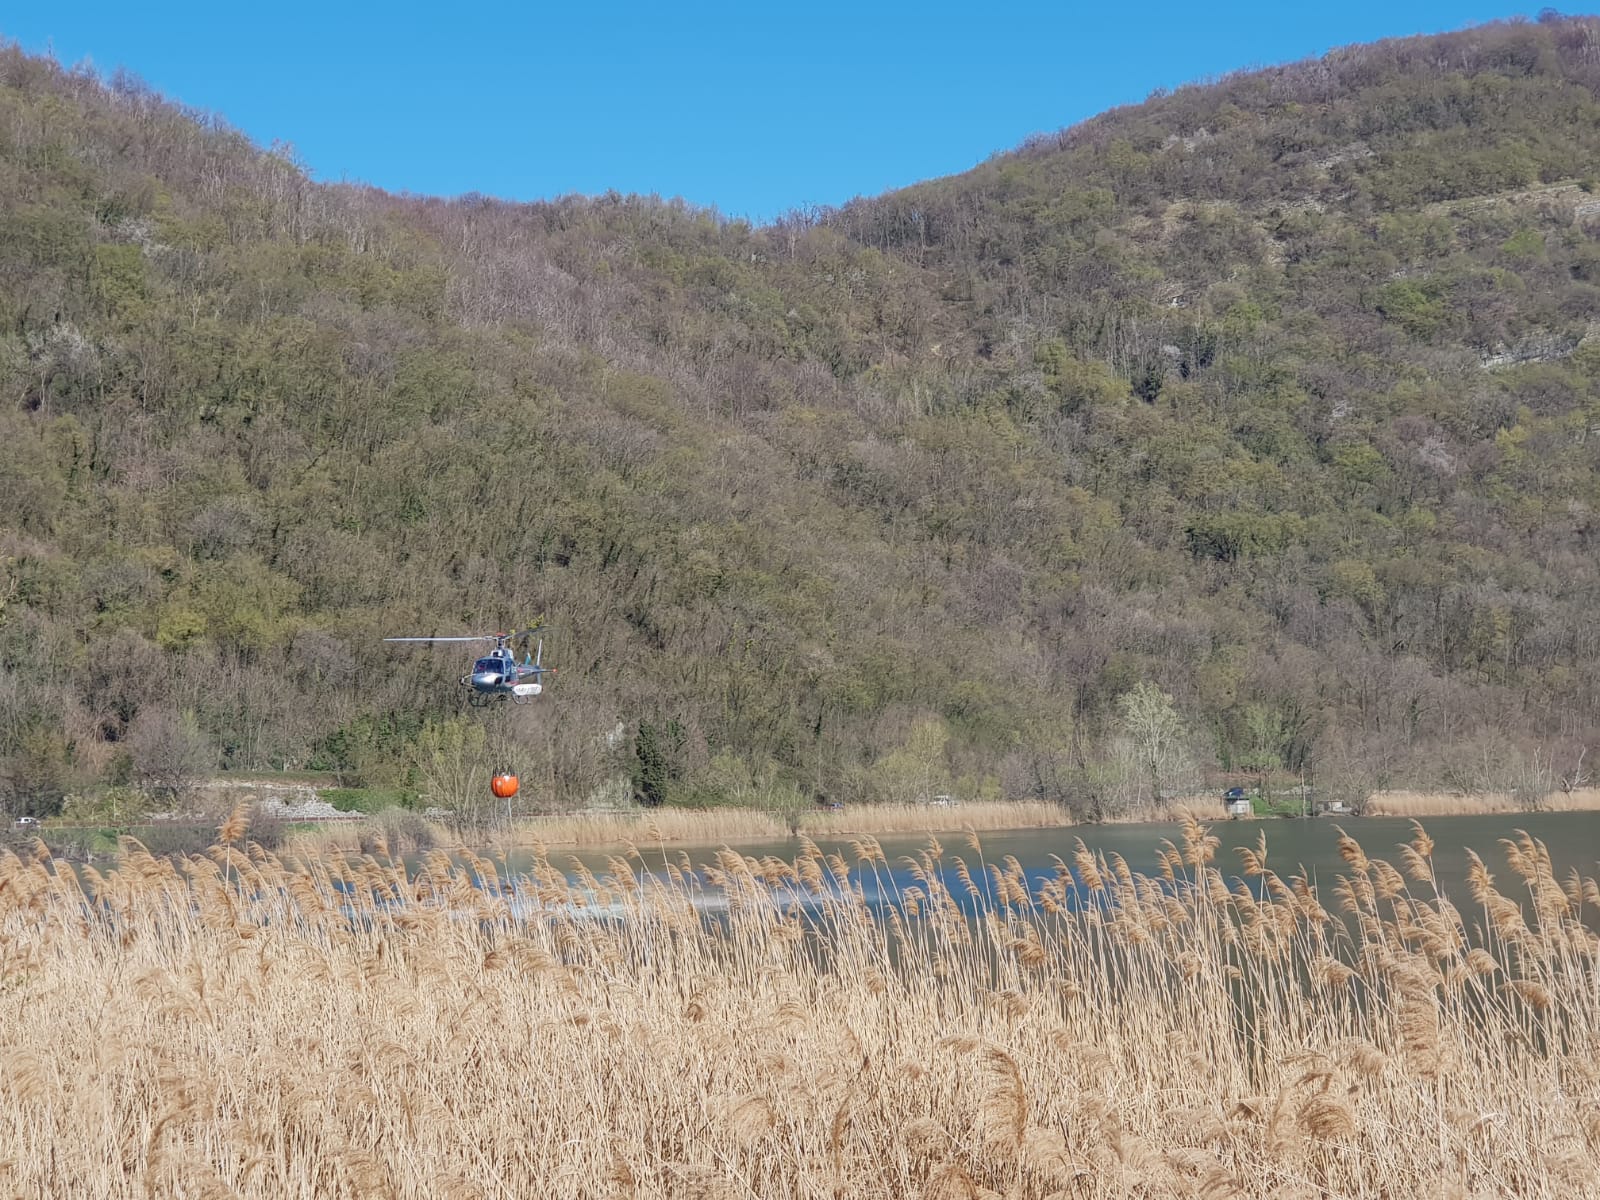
[(1236, 804)]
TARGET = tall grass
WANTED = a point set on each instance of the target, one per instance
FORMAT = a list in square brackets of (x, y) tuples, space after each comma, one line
[(697, 826), (240, 1024), (712, 825), (1439, 804)]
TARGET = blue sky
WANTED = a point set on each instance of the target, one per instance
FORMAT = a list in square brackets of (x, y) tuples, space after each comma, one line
[(755, 108)]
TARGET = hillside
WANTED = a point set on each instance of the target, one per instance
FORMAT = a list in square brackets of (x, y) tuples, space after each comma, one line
[(1277, 396)]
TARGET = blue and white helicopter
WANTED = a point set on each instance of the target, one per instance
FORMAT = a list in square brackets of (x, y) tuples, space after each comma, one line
[(498, 674)]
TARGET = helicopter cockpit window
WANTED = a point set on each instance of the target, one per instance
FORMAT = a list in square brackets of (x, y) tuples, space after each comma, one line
[(487, 664)]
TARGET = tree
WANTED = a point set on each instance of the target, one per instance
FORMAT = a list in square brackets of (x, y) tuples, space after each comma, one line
[(1354, 766), (169, 754), (805, 487), (1156, 742), (35, 778), (916, 770), (450, 762), (1264, 739), (658, 761)]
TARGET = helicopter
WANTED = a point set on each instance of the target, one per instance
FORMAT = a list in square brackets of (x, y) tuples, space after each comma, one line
[(498, 674)]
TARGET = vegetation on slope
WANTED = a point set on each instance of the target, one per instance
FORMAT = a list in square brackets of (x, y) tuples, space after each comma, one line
[(1252, 427)]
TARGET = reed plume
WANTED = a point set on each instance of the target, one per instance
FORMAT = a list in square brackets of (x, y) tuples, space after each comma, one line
[(347, 1024)]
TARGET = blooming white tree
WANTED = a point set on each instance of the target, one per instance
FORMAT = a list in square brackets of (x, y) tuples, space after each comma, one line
[(1154, 745)]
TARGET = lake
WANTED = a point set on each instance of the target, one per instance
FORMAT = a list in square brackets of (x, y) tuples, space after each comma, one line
[(1572, 838)]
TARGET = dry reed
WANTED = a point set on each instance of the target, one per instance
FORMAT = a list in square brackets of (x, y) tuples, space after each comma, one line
[(712, 826), (708, 826), (240, 1024), (1441, 804)]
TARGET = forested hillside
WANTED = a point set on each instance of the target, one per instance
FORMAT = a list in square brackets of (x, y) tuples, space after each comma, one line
[(1254, 428)]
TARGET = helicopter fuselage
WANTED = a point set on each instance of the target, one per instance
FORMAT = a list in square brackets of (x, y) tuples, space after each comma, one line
[(499, 674)]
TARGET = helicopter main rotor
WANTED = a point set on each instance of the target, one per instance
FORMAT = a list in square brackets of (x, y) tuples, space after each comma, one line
[(500, 640)]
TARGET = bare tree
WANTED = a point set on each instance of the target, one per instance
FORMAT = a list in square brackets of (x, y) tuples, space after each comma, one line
[(1577, 778), (170, 754)]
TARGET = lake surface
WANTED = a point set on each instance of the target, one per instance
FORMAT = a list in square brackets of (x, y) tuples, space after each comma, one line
[(1572, 838)]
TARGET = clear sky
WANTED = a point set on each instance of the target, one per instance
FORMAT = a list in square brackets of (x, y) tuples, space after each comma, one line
[(753, 107)]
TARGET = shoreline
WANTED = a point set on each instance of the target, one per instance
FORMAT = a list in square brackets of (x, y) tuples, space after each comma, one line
[(705, 826), (1400, 803), (715, 826), (686, 827)]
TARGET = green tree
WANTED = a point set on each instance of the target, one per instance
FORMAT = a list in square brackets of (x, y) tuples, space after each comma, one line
[(657, 761), (1264, 736), (450, 763), (916, 771)]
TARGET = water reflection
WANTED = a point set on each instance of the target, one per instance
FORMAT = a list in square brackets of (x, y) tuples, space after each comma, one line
[(1308, 848)]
